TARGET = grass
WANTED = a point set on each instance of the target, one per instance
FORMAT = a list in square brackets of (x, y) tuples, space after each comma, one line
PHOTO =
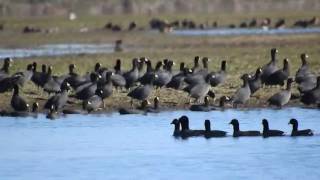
[(243, 54)]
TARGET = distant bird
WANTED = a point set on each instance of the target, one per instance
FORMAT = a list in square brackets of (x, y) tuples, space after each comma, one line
[(17, 102), (238, 133), (280, 24), (296, 132), (4, 71), (271, 67), (283, 97), (118, 46), (212, 133), (268, 132), (242, 95)]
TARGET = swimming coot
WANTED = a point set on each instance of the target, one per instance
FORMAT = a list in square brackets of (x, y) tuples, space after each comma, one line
[(296, 132), (238, 133), (176, 131), (186, 131), (270, 132), (212, 133)]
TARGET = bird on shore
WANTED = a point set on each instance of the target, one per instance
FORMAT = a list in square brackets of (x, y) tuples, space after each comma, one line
[(142, 92), (270, 132), (271, 67), (283, 97), (17, 102), (312, 96), (238, 133), (296, 132), (280, 76), (242, 95)]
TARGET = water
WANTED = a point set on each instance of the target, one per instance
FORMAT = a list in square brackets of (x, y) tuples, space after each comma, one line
[(245, 31), (57, 50), (141, 147)]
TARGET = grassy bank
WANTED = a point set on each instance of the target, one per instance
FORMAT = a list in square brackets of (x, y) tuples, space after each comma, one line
[(243, 54)]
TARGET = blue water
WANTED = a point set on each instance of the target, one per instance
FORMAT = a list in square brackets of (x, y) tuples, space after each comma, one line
[(141, 147), (245, 31), (57, 50)]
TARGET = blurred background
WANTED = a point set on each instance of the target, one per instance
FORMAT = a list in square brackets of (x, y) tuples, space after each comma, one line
[(26, 8)]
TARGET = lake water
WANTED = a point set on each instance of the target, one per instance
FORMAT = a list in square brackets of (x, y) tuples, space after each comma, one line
[(141, 147), (244, 31), (57, 50)]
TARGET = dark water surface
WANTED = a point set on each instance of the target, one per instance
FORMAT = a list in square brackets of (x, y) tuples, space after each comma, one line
[(245, 31), (141, 147)]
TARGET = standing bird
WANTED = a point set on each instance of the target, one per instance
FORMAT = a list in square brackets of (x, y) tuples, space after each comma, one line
[(220, 76), (164, 76), (24, 76), (238, 133), (271, 67), (106, 87), (59, 100), (280, 76), (255, 83), (200, 90), (243, 94), (4, 71), (133, 75), (142, 92), (208, 133), (281, 98), (296, 132), (268, 132), (51, 85), (93, 103), (312, 96), (17, 102)]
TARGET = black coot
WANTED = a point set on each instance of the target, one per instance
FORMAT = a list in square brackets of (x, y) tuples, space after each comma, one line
[(186, 131), (212, 133), (296, 132), (238, 133), (270, 132)]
